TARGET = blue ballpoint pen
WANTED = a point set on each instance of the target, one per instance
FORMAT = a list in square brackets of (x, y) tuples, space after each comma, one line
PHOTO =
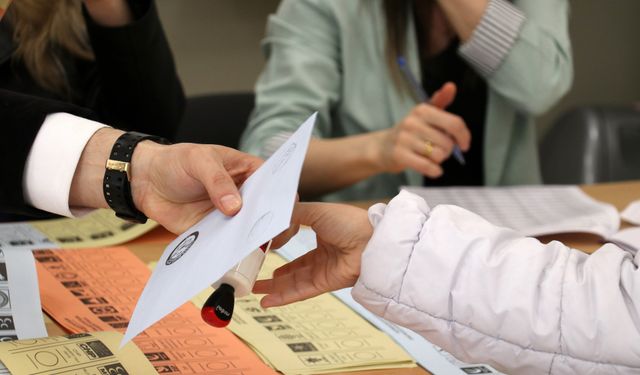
[(423, 97)]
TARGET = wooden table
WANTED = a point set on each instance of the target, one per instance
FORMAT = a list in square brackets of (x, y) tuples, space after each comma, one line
[(150, 247)]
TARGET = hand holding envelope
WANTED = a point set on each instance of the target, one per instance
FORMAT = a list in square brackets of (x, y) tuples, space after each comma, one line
[(202, 254)]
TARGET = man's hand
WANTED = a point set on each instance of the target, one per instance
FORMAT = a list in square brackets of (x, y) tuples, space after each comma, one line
[(178, 185), (342, 234), (175, 185)]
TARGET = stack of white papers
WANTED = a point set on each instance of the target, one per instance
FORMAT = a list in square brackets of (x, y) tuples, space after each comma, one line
[(20, 309), (531, 210)]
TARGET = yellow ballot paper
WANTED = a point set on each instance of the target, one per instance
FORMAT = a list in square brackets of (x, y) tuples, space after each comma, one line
[(100, 228), (94, 353), (315, 336)]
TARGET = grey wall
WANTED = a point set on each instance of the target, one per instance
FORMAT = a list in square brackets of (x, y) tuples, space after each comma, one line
[(606, 51), (216, 44)]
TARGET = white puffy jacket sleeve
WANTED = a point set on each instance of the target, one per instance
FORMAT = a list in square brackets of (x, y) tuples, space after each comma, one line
[(487, 294)]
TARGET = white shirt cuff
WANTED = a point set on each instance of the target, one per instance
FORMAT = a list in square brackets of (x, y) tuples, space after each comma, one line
[(52, 161)]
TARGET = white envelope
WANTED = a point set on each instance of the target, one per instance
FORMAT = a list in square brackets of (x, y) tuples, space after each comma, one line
[(202, 254)]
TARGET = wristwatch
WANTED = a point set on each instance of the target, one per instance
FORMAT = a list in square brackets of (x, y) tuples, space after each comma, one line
[(116, 184)]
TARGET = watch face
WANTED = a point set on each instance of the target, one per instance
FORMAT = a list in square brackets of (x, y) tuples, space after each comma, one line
[(182, 248)]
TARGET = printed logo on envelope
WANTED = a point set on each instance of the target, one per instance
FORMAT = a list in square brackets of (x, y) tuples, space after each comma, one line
[(182, 248), (284, 158), (261, 225)]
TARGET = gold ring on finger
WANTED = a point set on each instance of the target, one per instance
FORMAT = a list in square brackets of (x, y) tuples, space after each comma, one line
[(428, 148)]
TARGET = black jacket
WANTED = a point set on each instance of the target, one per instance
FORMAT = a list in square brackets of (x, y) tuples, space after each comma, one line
[(131, 85)]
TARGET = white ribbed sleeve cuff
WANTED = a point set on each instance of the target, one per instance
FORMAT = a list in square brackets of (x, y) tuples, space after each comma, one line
[(494, 36), (52, 161)]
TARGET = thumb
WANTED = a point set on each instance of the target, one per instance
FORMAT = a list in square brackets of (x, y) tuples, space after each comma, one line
[(220, 186), (445, 96), (305, 213)]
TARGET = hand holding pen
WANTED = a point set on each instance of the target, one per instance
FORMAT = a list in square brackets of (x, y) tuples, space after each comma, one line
[(441, 99), (426, 137)]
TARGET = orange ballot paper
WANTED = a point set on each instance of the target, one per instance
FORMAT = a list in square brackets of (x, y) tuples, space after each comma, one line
[(96, 290), (96, 353)]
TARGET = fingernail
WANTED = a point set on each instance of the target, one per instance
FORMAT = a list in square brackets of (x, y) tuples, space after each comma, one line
[(230, 202)]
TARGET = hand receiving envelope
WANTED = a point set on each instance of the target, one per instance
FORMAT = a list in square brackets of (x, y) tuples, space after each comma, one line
[(202, 254)]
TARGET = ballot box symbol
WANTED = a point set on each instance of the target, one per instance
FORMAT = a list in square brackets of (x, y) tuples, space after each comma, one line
[(77, 336), (66, 275), (79, 292), (256, 310), (157, 356), (267, 319), (278, 327), (113, 369), (20, 242), (103, 310), (166, 369), (315, 360), (48, 259), (127, 225), (37, 253), (5, 301), (73, 284), (101, 235), (94, 301), (69, 239), (291, 336), (95, 349), (477, 370), (122, 325), (302, 347), (112, 318), (6, 323)]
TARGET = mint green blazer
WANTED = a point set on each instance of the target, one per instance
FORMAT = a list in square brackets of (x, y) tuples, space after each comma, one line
[(329, 56)]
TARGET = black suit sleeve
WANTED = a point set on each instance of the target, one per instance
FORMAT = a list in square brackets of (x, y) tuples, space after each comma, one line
[(22, 116), (139, 86)]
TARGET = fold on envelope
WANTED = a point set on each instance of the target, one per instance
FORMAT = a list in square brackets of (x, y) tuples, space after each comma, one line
[(202, 254)]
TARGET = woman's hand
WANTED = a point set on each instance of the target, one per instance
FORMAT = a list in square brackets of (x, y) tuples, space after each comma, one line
[(425, 137), (342, 234), (109, 13)]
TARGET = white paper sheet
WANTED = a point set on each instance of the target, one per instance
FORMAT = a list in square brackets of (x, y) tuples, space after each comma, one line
[(631, 214), (23, 235), (531, 210), (20, 310), (201, 255), (423, 352)]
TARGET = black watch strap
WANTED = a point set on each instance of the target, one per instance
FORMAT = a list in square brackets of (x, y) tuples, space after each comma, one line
[(116, 183)]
